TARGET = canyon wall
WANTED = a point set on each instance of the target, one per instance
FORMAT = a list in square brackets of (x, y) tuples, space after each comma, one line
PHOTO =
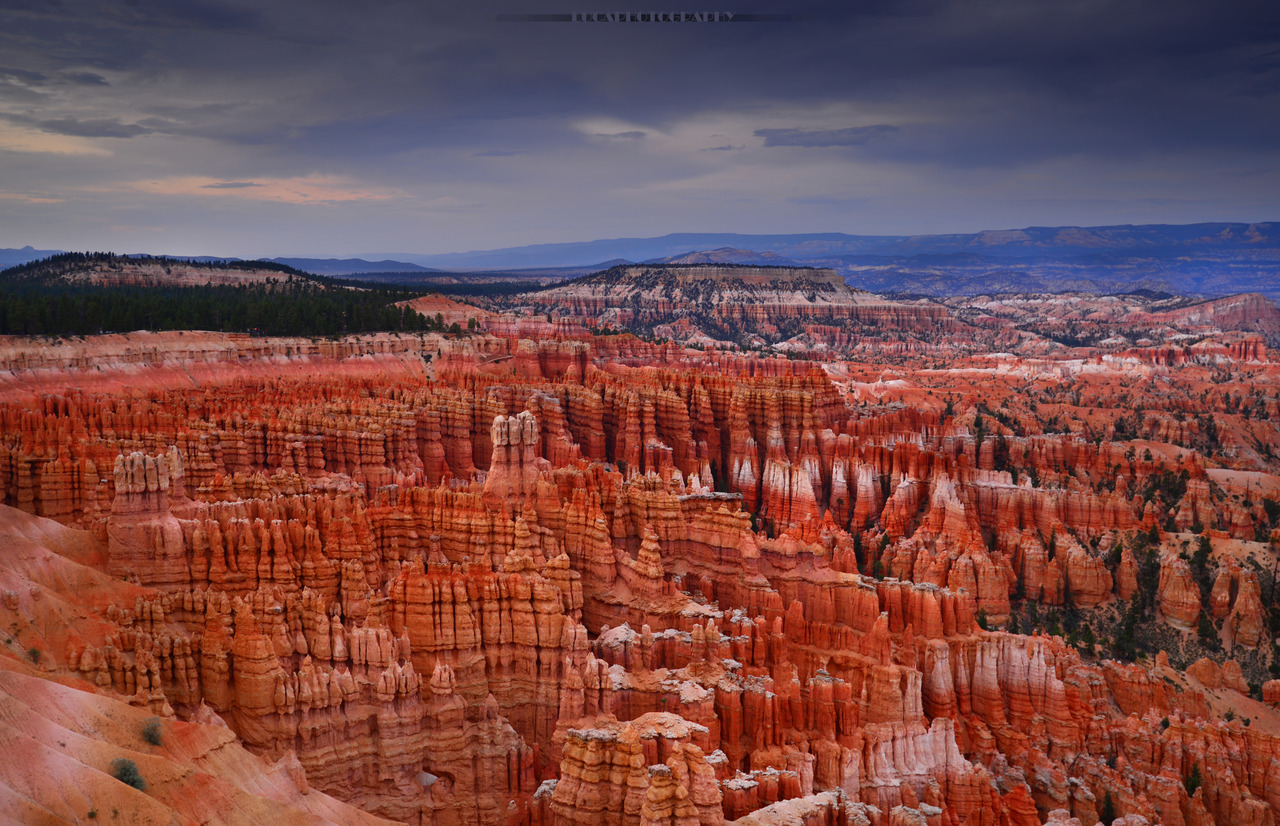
[(585, 579)]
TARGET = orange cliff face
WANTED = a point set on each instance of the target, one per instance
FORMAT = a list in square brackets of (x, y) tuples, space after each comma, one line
[(708, 302), (584, 579)]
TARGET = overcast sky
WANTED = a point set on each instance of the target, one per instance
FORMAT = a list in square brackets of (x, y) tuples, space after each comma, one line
[(341, 127)]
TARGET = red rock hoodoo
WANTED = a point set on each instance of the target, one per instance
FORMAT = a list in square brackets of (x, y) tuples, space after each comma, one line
[(596, 579)]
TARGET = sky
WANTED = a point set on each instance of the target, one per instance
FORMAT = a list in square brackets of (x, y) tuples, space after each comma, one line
[(358, 127)]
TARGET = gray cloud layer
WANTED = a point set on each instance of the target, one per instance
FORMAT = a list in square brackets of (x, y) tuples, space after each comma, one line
[(851, 136), (320, 126)]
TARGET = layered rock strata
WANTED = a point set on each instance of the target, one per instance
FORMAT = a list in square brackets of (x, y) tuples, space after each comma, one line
[(604, 580)]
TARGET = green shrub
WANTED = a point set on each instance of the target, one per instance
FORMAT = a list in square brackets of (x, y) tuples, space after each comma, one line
[(151, 731), (126, 771)]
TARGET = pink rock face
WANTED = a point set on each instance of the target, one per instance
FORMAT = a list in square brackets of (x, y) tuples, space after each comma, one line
[(1127, 575), (580, 579), (1087, 577), (1178, 594), (1248, 614), (144, 538), (516, 467), (647, 767)]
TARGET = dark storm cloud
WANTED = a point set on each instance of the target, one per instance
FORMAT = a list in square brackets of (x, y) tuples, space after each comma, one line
[(9, 75), (84, 78), (419, 96), (406, 66), (88, 128), (96, 128), (851, 136)]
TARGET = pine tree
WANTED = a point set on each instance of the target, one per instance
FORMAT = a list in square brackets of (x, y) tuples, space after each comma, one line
[(1107, 812), (1192, 781)]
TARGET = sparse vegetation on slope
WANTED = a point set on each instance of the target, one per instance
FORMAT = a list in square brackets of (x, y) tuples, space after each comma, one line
[(126, 771)]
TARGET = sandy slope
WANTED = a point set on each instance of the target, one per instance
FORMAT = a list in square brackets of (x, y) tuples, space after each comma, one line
[(59, 735)]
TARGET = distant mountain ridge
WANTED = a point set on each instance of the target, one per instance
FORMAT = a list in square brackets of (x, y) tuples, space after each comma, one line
[(1205, 259), (350, 266), (13, 257), (1058, 242), (729, 255)]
